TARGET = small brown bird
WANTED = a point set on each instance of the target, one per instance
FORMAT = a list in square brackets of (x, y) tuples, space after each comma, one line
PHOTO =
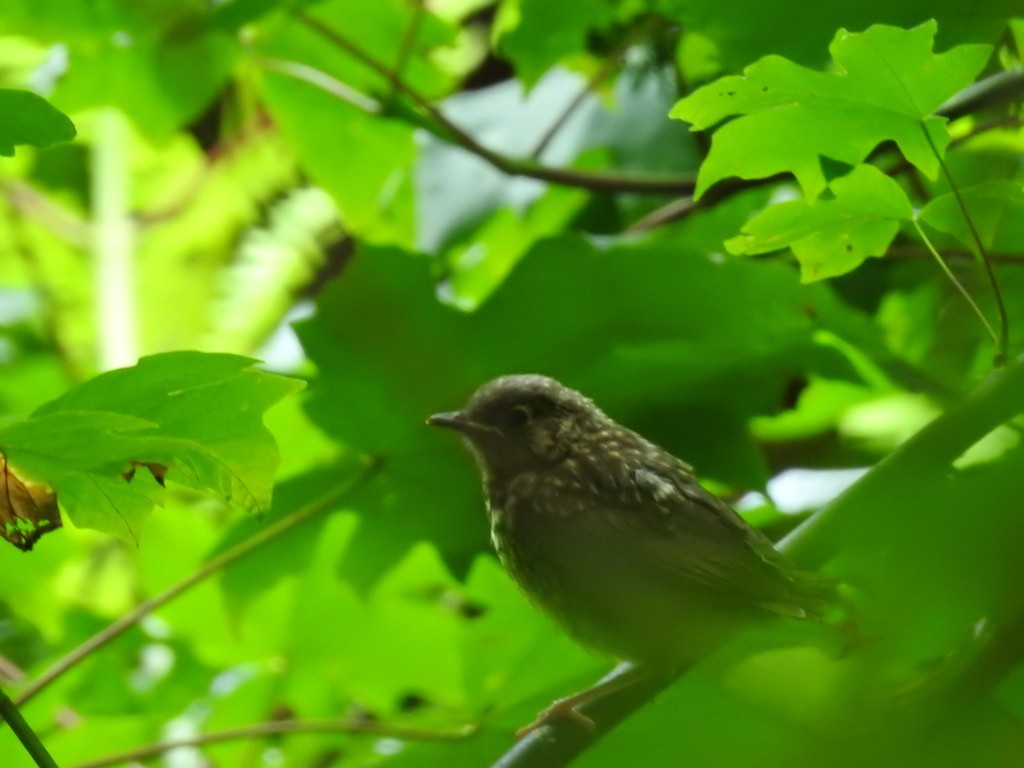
[(614, 538)]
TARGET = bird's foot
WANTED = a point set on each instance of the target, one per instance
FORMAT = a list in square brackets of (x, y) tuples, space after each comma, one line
[(623, 676), (562, 709)]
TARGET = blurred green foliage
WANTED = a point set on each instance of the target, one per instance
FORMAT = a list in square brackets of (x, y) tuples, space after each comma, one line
[(398, 200)]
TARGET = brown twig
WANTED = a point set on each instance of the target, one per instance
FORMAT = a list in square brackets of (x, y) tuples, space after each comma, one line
[(28, 201), (220, 153), (610, 63), (604, 182), (276, 728)]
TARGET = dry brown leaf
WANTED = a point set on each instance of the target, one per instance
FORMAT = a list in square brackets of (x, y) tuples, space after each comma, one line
[(158, 471), (27, 509)]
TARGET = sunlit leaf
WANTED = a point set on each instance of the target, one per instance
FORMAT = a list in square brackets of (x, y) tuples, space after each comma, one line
[(831, 236), (886, 86), (197, 415)]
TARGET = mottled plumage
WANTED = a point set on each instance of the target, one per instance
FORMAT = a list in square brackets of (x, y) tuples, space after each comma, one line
[(612, 535)]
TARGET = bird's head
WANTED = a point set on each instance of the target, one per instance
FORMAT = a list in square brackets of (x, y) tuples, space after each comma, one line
[(523, 422)]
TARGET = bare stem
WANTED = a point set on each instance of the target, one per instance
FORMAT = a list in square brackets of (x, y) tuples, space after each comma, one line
[(1003, 340), (10, 714), (953, 279), (442, 126), (608, 66), (261, 730), (113, 244)]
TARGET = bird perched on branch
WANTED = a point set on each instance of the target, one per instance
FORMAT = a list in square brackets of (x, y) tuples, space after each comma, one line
[(614, 538)]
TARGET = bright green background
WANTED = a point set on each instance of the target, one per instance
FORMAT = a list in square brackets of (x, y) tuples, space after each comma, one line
[(431, 195)]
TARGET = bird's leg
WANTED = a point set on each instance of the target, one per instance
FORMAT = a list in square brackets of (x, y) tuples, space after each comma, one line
[(623, 676)]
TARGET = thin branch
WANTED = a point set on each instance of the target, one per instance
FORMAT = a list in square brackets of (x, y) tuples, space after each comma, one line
[(275, 728), (113, 246), (408, 41), (575, 103), (953, 279), (608, 66), (995, 401), (217, 564), (1000, 88), (606, 182), (10, 672), (1003, 342), (10, 714), (227, 148), (674, 211), (556, 744), (62, 222), (324, 82), (686, 206)]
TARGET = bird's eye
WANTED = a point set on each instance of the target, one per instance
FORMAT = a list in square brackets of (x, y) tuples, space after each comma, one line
[(518, 416)]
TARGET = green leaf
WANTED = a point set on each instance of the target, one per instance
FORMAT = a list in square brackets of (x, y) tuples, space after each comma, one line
[(198, 415), (81, 455), (800, 29), (160, 62), (537, 34), (831, 236), (26, 118), (996, 208), (886, 85)]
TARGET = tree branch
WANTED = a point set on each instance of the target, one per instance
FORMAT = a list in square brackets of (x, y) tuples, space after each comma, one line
[(9, 713), (1001, 88), (275, 728), (558, 743), (996, 400), (604, 182), (609, 65)]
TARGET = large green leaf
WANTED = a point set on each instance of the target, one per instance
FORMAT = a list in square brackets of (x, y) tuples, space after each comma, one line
[(886, 85), (196, 415), (537, 34)]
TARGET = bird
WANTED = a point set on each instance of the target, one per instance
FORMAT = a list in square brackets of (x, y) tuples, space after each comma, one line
[(614, 537)]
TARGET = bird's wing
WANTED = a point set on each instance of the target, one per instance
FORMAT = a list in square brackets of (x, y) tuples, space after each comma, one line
[(675, 525)]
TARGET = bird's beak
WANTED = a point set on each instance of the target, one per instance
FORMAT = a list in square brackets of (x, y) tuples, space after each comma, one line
[(458, 421), (452, 420)]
